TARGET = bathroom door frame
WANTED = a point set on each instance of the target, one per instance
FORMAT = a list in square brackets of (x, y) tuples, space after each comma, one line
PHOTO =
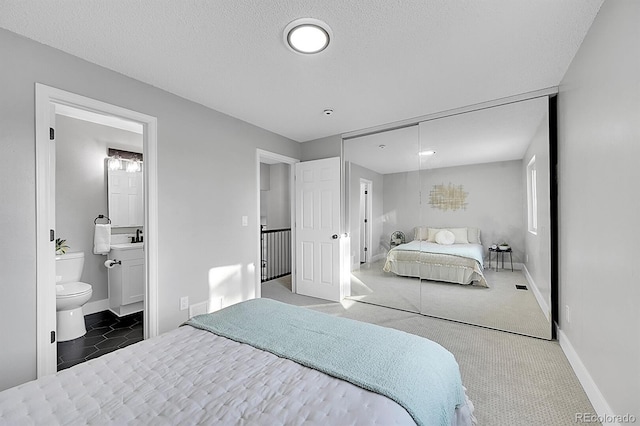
[(45, 100)]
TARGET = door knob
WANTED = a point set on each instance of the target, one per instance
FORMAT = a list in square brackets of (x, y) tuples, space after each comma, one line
[(335, 237)]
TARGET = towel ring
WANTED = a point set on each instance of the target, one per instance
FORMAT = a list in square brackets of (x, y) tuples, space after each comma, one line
[(101, 216)]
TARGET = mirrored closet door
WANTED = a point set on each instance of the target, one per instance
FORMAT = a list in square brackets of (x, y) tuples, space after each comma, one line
[(454, 216)]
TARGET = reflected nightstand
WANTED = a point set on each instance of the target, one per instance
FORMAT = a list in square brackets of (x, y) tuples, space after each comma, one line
[(501, 253)]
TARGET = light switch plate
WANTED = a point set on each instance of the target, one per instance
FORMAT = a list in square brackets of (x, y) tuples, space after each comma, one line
[(184, 303)]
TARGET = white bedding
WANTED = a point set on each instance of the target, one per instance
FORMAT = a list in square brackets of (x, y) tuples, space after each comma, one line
[(191, 376), (455, 263)]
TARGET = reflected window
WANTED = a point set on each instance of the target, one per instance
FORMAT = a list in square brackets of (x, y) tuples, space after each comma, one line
[(532, 196)]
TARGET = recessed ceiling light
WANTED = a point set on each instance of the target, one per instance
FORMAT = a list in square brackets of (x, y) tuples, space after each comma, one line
[(307, 36), (426, 153), (383, 146), (327, 111)]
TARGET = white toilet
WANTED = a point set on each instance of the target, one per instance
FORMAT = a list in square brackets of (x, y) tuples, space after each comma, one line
[(71, 294)]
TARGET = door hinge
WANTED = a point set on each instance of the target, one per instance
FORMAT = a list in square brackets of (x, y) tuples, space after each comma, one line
[(366, 192), (53, 336), (52, 235), (365, 221), (365, 249), (52, 134)]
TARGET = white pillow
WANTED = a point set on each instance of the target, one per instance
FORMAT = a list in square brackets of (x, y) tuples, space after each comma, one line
[(421, 233), (445, 237), (473, 235), (460, 234), (431, 234)]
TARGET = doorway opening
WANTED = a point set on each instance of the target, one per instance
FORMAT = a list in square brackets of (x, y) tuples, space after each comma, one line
[(49, 101), (99, 163), (366, 194), (276, 215)]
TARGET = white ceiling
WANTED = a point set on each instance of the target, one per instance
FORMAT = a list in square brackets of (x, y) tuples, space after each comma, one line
[(389, 60), (501, 133)]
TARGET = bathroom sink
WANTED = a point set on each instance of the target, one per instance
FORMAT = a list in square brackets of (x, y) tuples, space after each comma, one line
[(127, 246)]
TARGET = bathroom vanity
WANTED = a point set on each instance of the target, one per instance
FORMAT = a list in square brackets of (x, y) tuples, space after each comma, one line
[(126, 278)]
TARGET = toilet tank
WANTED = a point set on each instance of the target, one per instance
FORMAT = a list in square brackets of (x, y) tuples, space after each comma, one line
[(69, 267)]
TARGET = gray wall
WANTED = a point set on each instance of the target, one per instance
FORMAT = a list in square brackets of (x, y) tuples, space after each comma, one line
[(81, 188), (401, 204), (206, 183), (317, 149), (599, 148), (378, 239), (278, 197), (495, 202), (538, 246)]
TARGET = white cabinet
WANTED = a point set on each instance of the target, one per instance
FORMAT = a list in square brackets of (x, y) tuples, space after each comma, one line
[(126, 279)]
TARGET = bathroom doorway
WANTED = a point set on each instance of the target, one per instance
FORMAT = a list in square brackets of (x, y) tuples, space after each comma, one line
[(54, 105), (99, 164)]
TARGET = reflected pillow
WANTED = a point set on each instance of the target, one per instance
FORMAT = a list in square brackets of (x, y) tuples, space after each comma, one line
[(460, 234), (421, 233), (473, 235), (445, 237), (431, 234)]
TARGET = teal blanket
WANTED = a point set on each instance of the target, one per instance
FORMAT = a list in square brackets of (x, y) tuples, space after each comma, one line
[(413, 371)]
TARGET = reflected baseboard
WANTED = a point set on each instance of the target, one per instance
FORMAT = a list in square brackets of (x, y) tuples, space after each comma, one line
[(534, 288), (451, 320)]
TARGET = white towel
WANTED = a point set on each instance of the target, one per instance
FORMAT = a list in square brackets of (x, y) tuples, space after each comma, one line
[(102, 239)]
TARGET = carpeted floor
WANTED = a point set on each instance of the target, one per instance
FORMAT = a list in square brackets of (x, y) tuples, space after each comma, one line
[(511, 379), (501, 306)]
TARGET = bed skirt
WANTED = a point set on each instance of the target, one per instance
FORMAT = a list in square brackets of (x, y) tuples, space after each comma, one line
[(451, 273)]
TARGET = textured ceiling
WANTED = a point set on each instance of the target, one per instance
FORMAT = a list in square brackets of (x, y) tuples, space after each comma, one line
[(389, 60), (502, 133)]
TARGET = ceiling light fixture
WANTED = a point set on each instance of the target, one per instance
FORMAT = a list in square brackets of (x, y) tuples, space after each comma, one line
[(307, 36), (426, 153)]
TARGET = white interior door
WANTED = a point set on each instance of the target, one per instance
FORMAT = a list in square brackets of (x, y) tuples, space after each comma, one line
[(318, 242)]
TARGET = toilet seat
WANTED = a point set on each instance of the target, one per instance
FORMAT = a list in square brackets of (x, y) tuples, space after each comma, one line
[(72, 290)]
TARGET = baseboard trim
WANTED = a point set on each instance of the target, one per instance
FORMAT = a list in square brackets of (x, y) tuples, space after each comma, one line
[(536, 293), (598, 401), (95, 306)]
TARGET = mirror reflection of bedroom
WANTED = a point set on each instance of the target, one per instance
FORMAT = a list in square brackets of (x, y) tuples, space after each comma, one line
[(450, 217)]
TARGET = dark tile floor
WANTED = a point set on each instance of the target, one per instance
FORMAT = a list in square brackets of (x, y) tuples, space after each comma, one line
[(105, 333)]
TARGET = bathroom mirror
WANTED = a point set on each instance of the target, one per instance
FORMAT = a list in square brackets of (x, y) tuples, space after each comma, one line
[(125, 197), (481, 177)]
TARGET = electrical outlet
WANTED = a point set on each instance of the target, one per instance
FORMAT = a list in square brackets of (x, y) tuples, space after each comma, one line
[(184, 303), (567, 314)]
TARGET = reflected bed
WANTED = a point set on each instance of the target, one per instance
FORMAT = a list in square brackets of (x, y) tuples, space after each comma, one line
[(459, 263)]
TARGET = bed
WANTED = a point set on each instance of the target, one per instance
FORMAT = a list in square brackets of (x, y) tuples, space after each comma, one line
[(253, 363), (456, 258)]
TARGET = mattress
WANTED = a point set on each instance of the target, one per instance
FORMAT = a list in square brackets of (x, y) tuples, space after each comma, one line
[(191, 376), (416, 259)]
